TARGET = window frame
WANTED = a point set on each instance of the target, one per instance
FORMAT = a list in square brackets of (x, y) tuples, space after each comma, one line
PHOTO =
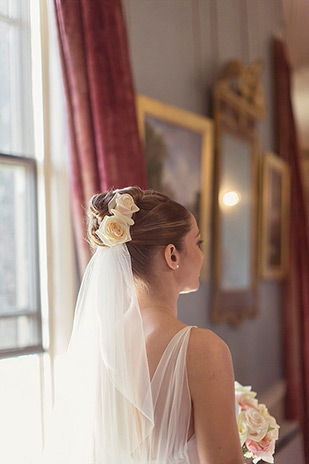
[(30, 164)]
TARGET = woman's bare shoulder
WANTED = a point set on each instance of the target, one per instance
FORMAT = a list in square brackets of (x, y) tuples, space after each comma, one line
[(207, 353), (211, 383), (205, 342)]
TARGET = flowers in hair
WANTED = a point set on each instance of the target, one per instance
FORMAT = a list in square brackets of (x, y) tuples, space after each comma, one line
[(115, 229), (257, 429)]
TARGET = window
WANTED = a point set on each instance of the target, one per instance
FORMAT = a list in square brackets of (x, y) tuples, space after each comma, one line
[(20, 315), (24, 379), (34, 194)]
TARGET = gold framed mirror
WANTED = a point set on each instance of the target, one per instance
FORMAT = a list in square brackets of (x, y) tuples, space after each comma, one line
[(236, 110)]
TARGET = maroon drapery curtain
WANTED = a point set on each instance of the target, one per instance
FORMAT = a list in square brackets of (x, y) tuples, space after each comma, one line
[(105, 149), (296, 298)]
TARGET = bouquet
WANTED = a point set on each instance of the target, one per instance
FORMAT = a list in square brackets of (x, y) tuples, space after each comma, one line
[(258, 430)]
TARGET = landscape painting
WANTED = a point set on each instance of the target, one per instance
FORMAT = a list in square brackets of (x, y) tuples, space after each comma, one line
[(178, 148)]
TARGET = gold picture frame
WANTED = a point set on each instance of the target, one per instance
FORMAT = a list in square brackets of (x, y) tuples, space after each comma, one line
[(178, 147), (275, 188)]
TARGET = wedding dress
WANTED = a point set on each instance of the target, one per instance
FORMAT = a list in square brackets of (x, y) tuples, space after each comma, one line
[(168, 442)]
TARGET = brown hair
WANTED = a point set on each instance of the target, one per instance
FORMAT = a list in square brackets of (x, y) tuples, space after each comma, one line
[(159, 222)]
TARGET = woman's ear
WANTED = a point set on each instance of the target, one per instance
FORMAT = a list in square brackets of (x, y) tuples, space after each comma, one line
[(171, 256)]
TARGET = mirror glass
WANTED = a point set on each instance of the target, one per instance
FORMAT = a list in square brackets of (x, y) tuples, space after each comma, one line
[(235, 213)]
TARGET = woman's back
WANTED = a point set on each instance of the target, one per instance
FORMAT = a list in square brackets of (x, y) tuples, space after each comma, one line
[(169, 441), (191, 381)]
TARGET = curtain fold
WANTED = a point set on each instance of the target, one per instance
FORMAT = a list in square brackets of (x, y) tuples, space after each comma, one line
[(296, 288), (105, 149)]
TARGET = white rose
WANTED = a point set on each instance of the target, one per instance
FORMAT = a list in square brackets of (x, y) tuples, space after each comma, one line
[(114, 230), (273, 427), (256, 422), (245, 392), (240, 388), (242, 428), (124, 203), (124, 217), (112, 203)]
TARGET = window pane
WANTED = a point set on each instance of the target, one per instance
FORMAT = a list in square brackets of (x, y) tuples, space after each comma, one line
[(16, 115), (18, 332), (15, 230), (4, 7), (5, 106), (19, 281)]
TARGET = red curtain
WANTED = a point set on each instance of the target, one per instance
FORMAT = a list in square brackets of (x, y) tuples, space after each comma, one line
[(296, 298), (105, 149)]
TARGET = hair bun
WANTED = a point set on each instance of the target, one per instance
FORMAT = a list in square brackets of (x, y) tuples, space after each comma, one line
[(98, 209), (158, 222)]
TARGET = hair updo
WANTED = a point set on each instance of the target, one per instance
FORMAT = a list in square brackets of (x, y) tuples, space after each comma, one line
[(159, 222)]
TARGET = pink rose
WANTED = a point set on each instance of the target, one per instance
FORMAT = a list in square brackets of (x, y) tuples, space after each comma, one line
[(264, 449), (245, 397), (245, 403)]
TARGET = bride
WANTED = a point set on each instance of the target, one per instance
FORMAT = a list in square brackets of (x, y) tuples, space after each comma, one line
[(139, 385)]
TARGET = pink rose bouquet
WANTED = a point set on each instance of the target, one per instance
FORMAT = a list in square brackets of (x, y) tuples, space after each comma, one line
[(258, 430)]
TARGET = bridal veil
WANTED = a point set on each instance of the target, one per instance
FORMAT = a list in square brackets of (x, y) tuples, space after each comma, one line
[(103, 409)]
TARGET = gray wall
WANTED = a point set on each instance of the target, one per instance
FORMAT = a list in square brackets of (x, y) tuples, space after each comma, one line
[(177, 49)]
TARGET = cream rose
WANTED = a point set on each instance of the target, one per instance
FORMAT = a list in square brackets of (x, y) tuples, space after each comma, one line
[(246, 403), (245, 398), (256, 422), (244, 392), (123, 203), (114, 230), (273, 428), (124, 217), (242, 428)]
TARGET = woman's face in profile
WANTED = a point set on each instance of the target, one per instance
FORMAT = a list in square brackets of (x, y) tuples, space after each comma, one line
[(191, 259)]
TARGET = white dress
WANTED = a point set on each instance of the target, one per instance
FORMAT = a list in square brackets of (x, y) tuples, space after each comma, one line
[(167, 443)]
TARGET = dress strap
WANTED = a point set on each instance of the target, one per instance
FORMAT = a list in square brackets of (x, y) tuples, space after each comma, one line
[(178, 341)]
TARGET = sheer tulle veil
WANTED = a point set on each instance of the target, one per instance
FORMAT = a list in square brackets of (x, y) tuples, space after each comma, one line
[(103, 409)]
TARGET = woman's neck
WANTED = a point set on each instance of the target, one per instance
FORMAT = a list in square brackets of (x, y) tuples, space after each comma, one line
[(158, 302)]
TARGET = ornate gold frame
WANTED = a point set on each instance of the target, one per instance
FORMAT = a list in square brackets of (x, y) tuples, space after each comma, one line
[(236, 112), (203, 126), (273, 162)]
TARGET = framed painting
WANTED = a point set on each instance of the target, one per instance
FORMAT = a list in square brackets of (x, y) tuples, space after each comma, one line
[(178, 147), (274, 217)]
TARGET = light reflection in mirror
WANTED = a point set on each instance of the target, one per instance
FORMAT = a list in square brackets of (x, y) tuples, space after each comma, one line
[(230, 198)]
